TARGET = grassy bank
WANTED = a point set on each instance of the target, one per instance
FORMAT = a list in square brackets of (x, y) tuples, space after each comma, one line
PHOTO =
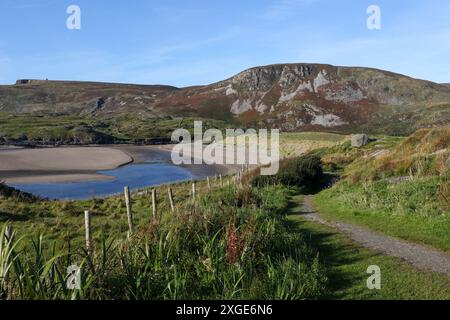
[(397, 186), (231, 244), (408, 210), (346, 265)]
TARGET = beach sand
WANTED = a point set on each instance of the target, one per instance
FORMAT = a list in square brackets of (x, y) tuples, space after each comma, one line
[(76, 164), (63, 164)]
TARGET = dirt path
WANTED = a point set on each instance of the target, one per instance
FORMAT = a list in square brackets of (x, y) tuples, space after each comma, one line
[(422, 257)]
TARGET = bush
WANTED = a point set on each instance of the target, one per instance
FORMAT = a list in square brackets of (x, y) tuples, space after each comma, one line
[(305, 172)]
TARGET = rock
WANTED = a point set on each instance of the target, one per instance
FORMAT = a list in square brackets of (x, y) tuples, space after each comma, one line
[(439, 152), (99, 104), (84, 128), (22, 137), (359, 140), (395, 180), (379, 154)]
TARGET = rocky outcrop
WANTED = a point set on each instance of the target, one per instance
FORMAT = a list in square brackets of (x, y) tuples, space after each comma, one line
[(359, 140)]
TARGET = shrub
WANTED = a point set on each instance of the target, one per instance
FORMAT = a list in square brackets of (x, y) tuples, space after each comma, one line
[(305, 172)]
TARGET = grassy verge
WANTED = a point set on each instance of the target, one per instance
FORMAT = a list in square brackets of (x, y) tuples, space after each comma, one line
[(347, 264), (398, 186), (408, 210)]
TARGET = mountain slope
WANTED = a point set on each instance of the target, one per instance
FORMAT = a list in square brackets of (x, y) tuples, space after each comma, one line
[(79, 98), (305, 97), (292, 97)]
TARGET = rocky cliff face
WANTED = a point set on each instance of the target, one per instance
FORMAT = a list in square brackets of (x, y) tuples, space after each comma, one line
[(287, 96), (321, 97)]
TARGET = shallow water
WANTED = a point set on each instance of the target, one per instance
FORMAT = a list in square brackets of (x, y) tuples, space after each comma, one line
[(135, 176)]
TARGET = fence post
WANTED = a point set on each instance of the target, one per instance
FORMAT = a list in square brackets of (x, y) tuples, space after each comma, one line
[(193, 191), (172, 206), (129, 213), (88, 228), (221, 180), (209, 183), (154, 205)]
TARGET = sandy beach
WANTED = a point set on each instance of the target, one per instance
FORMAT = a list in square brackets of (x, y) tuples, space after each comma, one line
[(77, 164), (64, 164)]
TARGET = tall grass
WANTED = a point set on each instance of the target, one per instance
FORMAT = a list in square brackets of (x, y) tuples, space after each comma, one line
[(231, 244)]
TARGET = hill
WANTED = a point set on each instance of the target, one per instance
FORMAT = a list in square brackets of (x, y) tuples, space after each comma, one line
[(292, 97)]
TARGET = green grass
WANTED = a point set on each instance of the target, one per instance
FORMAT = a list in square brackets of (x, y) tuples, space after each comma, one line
[(312, 136), (416, 210), (347, 263), (72, 129), (294, 144), (408, 210), (233, 243)]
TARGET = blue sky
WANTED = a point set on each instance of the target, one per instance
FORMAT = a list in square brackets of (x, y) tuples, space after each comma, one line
[(190, 42)]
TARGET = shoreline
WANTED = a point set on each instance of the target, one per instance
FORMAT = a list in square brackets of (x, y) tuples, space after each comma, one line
[(73, 164), (65, 164)]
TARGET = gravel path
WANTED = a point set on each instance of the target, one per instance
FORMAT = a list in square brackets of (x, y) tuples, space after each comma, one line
[(422, 257)]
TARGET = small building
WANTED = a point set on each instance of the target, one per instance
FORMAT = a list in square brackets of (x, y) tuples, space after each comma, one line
[(27, 81)]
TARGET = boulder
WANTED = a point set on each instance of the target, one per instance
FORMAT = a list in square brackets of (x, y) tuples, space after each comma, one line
[(359, 140)]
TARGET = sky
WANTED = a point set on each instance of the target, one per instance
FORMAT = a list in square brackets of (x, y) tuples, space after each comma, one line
[(194, 42)]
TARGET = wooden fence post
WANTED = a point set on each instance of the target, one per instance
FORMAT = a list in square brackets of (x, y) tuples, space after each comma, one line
[(129, 213), (172, 205), (209, 183), (193, 191), (154, 205), (88, 228)]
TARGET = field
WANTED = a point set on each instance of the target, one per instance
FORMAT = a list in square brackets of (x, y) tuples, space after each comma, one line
[(298, 143), (63, 129)]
